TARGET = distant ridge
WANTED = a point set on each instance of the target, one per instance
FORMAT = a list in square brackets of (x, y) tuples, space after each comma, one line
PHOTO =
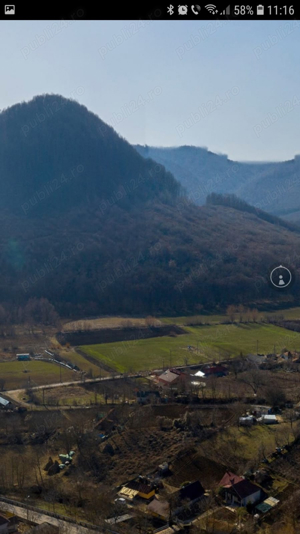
[(271, 186)]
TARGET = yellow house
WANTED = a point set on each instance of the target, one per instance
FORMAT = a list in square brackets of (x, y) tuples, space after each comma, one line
[(144, 490)]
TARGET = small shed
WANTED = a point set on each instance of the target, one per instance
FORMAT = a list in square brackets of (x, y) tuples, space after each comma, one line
[(268, 419), (246, 421), (4, 403), (266, 505), (23, 357)]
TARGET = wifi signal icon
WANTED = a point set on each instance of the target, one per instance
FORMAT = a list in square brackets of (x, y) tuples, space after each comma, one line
[(212, 9)]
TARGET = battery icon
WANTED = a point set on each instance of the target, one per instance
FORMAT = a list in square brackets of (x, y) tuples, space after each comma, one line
[(260, 10)]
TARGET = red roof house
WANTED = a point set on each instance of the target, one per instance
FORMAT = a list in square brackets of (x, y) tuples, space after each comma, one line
[(229, 479), (171, 377)]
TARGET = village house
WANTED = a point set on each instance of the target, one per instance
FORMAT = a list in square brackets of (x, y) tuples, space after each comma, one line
[(192, 492), (172, 378), (242, 493), (228, 479), (143, 489), (187, 495)]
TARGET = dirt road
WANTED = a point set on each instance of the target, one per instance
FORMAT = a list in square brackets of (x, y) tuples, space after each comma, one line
[(40, 517)]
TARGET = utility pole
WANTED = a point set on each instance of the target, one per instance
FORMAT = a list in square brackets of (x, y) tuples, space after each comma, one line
[(60, 373), (170, 358), (257, 346)]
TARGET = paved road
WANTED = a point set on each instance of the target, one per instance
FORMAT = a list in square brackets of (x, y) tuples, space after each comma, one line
[(39, 517)]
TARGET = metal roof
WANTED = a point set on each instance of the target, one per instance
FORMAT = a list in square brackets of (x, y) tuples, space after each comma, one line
[(199, 373), (267, 505), (127, 492), (168, 376), (268, 418), (4, 402), (272, 501)]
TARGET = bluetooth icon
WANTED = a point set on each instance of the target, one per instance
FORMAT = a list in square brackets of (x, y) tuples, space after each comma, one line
[(170, 9)]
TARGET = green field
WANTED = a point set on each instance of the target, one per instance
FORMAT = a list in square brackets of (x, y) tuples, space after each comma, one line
[(83, 364), (33, 373), (214, 342)]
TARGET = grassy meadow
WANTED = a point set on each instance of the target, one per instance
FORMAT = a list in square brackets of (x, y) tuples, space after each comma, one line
[(33, 373), (213, 342)]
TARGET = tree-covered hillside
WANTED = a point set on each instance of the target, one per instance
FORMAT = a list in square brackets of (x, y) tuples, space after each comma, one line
[(117, 235), (55, 154)]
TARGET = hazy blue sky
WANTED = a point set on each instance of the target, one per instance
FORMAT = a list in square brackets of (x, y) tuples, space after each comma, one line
[(230, 86)]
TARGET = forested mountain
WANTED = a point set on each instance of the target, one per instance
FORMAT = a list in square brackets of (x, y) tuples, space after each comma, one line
[(118, 235), (273, 187), (55, 154)]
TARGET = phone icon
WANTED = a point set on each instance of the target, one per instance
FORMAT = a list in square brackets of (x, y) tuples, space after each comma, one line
[(196, 9)]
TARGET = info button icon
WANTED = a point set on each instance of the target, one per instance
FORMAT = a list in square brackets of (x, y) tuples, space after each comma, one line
[(281, 277)]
